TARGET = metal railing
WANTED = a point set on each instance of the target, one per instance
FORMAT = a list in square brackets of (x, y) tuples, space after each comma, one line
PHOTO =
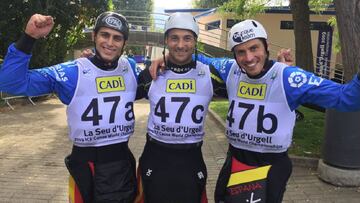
[(7, 97)]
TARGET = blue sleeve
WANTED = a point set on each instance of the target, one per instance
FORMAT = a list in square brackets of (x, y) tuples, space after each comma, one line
[(303, 87), (204, 59), (17, 79), (222, 65), (135, 68)]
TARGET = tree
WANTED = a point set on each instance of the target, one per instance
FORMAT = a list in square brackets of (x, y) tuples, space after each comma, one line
[(238, 9), (347, 15), (243, 9), (342, 128), (138, 14), (70, 16), (208, 3), (301, 18)]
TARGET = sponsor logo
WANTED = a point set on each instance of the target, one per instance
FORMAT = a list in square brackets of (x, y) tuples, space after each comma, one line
[(243, 35), (113, 22), (242, 188), (59, 72), (200, 175), (201, 73), (86, 71), (148, 172), (181, 86), (315, 80), (297, 79), (252, 91), (237, 71), (110, 84)]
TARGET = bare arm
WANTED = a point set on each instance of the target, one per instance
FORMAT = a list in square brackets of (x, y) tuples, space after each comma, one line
[(156, 66)]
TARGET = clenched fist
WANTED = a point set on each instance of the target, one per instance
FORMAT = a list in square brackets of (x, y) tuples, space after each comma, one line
[(39, 26)]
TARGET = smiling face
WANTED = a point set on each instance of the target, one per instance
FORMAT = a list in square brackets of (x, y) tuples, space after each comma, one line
[(181, 44), (251, 56), (109, 43)]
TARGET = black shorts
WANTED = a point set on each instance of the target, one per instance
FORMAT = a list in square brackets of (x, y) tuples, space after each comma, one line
[(103, 174), (272, 187), (172, 175)]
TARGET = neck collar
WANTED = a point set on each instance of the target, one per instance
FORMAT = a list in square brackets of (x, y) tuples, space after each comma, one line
[(180, 68), (98, 62)]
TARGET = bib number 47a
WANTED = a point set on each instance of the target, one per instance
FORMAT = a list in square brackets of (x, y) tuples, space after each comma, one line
[(260, 118), (92, 113)]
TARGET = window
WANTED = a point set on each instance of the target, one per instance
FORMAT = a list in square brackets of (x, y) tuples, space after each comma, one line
[(213, 25)]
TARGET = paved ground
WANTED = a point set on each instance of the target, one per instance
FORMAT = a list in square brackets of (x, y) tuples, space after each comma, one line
[(33, 144)]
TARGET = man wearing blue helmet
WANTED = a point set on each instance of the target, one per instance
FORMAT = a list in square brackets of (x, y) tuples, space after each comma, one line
[(99, 93)]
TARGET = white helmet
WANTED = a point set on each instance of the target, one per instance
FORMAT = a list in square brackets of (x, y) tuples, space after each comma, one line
[(182, 21), (244, 31)]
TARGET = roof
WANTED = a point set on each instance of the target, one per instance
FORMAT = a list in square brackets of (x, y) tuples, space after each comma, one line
[(187, 10), (272, 9), (287, 9)]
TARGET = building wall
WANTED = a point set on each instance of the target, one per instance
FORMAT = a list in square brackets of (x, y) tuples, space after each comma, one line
[(278, 38), (215, 37)]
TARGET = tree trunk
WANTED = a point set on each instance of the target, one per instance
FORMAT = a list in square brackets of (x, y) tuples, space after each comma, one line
[(301, 17), (343, 135), (347, 16)]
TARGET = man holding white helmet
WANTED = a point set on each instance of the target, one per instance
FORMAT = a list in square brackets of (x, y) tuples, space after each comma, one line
[(263, 96), (171, 167)]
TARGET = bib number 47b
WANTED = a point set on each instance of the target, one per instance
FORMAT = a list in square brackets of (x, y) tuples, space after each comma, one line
[(260, 118)]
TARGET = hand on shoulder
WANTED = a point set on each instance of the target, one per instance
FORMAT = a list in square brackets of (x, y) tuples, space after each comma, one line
[(285, 56)]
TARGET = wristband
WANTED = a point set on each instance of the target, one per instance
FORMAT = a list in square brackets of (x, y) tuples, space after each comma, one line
[(25, 43)]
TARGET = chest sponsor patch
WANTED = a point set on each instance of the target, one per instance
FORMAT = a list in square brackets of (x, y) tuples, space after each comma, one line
[(110, 84), (181, 86), (251, 91)]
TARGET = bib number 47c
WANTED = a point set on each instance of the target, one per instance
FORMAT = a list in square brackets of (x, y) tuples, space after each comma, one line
[(160, 110)]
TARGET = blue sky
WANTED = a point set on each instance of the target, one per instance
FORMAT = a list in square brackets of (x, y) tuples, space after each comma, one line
[(160, 5)]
